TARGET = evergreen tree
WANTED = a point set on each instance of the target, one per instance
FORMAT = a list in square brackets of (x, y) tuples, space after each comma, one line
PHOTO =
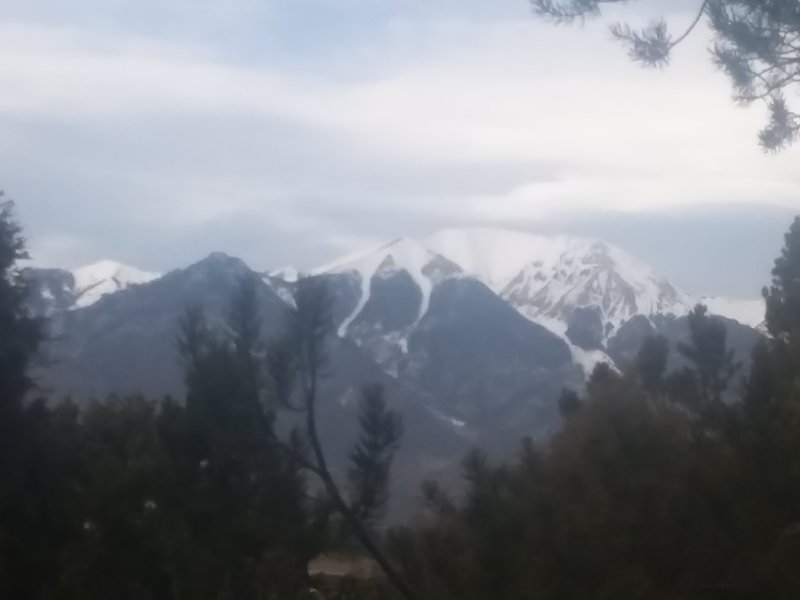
[(651, 363), (783, 295), (247, 515), (712, 363), (130, 532), (767, 434), (42, 502), (25, 522), (569, 402), (21, 333), (602, 375), (371, 458), (762, 388)]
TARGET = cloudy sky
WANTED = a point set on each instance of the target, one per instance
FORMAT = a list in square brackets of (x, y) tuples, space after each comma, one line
[(287, 131)]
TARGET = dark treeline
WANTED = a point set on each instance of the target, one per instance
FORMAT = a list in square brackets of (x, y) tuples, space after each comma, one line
[(660, 485)]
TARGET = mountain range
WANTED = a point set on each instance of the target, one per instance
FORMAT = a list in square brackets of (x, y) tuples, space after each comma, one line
[(473, 332)]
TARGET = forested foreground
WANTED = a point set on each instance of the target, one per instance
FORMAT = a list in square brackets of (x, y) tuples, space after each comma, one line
[(660, 485)]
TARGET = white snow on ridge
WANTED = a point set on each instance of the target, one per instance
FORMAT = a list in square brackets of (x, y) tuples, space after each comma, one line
[(94, 281), (401, 254), (545, 276), (548, 276), (590, 273), (587, 360)]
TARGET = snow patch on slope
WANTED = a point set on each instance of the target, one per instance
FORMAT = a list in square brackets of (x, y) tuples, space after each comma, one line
[(587, 360), (94, 281), (401, 254)]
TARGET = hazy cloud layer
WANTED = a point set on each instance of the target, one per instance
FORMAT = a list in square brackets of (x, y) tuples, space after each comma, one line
[(285, 131)]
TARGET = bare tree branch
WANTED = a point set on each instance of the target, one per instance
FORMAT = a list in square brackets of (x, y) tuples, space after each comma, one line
[(309, 329)]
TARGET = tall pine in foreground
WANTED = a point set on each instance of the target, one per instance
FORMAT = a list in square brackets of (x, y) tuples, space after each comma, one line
[(36, 444), (783, 294), (20, 333), (371, 458), (712, 363), (244, 497)]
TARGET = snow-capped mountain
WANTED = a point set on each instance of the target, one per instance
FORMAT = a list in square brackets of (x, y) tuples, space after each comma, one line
[(94, 281), (482, 339), (528, 302), (582, 290), (593, 275), (403, 255), (424, 321), (547, 278), (57, 290)]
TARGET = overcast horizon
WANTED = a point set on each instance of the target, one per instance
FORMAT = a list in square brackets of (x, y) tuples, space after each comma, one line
[(293, 132)]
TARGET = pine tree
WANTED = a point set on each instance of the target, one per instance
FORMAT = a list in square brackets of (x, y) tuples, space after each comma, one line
[(24, 523), (602, 375), (247, 514), (371, 458), (773, 369), (129, 529), (569, 403), (651, 363), (21, 333), (783, 295), (712, 363)]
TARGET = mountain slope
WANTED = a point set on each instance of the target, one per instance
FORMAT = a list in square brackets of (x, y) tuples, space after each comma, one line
[(425, 269), (426, 323), (463, 362), (59, 289), (94, 281), (486, 364), (125, 343)]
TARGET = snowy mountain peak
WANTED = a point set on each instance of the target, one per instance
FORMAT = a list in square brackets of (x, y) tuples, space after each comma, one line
[(92, 282), (547, 277), (425, 267), (575, 273), (497, 256)]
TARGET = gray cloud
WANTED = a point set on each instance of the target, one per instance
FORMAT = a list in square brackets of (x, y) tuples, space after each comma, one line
[(288, 132)]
